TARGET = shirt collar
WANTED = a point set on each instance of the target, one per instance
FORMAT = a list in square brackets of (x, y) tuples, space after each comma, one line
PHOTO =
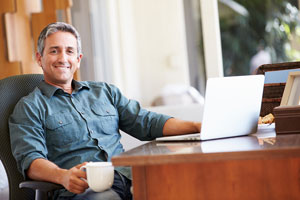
[(50, 90)]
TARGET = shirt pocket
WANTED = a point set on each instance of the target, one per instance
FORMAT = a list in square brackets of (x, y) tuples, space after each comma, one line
[(107, 116), (60, 129)]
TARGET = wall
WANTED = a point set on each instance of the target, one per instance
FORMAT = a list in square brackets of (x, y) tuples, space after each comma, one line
[(161, 46), (147, 46), (153, 50), (144, 46), (161, 51)]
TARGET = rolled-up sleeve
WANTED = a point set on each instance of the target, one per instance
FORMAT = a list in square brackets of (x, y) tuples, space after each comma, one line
[(136, 121), (26, 135)]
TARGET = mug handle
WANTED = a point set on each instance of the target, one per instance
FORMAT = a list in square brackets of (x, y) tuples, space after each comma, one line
[(83, 168)]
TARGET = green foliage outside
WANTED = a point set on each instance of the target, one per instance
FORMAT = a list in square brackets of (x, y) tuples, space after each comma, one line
[(269, 25)]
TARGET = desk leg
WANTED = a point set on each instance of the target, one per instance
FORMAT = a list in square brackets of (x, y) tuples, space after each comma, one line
[(139, 183)]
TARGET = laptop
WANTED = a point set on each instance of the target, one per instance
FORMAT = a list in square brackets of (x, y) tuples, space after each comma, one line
[(231, 108)]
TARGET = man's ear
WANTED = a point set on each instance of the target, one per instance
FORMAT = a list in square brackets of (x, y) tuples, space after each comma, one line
[(79, 60), (38, 58)]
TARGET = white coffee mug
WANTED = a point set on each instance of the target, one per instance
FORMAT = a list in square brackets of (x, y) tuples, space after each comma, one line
[(100, 175)]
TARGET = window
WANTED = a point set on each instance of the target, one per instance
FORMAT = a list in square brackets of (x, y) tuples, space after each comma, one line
[(203, 41), (258, 32)]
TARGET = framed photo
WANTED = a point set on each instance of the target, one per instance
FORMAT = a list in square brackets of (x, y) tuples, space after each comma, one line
[(291, 94)]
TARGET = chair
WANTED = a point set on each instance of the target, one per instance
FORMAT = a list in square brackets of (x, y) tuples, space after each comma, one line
[(12, 89)]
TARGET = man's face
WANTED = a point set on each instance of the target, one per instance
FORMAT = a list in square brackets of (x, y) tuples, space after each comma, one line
[(60, 60)]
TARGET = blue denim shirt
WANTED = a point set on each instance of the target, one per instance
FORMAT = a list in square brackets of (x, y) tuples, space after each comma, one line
[(84, 126)]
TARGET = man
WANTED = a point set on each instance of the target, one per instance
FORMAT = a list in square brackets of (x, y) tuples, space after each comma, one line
[(63, 123)]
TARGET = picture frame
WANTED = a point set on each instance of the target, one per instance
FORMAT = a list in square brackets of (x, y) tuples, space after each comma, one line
[(291, 94)]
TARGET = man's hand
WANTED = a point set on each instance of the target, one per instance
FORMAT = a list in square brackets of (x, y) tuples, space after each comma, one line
[(72, 180), (197, 126), (178, 127), (45, 170)]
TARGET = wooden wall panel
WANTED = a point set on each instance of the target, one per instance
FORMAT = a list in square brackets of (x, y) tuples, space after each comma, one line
[(42, 19), (6, 68), (18, 31), (7, 6), (24, 20), (65, 5)]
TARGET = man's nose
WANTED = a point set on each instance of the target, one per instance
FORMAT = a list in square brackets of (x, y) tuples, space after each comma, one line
[(62, 57)]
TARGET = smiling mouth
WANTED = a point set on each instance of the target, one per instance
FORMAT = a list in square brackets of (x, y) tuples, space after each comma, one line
[(62, 66)]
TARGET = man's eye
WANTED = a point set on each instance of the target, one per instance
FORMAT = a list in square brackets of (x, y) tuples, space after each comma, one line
[(70, 51), (53, 51)]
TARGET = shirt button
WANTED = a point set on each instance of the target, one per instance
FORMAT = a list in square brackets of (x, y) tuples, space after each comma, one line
[(91, 131), (60, 122), (82, 113)]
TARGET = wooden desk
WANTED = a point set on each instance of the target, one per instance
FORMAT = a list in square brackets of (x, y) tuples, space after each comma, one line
[(235, 168)]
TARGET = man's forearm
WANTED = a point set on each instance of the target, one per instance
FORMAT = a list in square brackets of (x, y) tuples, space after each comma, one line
[(44, 170), (178, 127)]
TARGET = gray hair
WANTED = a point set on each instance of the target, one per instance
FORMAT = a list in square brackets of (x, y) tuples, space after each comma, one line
[(53, 28)]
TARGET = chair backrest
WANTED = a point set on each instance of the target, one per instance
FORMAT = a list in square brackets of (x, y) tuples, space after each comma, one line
[(12, 89)]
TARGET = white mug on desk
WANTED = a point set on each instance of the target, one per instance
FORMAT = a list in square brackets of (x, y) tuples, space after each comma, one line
[(100, 175)]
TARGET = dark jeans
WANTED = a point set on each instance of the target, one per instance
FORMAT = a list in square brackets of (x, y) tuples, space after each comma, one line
[(122, 186)]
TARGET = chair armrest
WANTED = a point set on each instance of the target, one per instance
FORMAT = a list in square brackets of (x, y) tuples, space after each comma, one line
[(40, 185)]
